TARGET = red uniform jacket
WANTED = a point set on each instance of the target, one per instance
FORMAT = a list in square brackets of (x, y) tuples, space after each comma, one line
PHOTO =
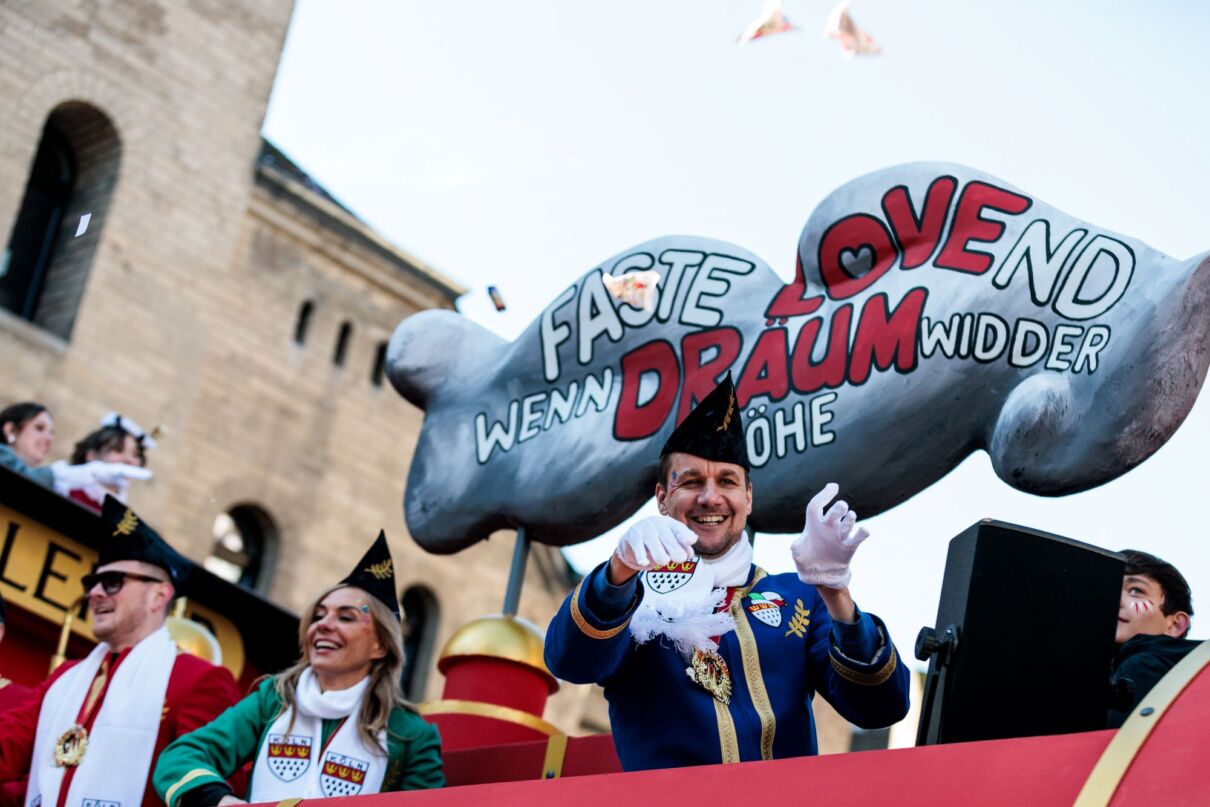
[(12, 694), (197, 693)]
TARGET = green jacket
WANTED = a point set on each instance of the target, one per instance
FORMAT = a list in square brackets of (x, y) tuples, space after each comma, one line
[(208, 756)]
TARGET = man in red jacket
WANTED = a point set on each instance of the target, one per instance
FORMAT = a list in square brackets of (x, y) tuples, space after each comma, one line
[(93, 731), (11, 693)]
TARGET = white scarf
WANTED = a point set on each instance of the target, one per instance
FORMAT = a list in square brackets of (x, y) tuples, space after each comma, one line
[(732, 567), (121, 742), (286, 765), (686, 610)]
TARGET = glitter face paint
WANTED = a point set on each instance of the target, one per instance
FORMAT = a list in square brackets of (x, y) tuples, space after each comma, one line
[(1142, 606)]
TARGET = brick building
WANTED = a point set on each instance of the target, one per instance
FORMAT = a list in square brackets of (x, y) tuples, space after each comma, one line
[(165, 262)]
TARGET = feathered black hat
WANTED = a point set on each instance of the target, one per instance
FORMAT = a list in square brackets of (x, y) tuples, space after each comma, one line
[(127, 537), (375, 574), (713, 430)]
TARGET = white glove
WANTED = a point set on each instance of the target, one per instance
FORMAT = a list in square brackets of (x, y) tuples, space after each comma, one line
[(116, 474), (656, 541), (112, 474), (823, 552)]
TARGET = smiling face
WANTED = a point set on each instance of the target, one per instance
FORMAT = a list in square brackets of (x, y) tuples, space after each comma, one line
[(33, 440), (1141, 610), (342, 641), (713, 498), (134, 611)]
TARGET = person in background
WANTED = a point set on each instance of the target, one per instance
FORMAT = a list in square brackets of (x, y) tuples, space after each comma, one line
[(295, 727), (1153, 621), (118, 440), (29, 433), (11, 693), (91, 732)]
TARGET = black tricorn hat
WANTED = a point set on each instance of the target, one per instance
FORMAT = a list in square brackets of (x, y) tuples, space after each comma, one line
[(375, 574), (713, 430), (127, 537)]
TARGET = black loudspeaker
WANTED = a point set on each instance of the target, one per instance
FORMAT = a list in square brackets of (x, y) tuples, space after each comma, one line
[(1024, 636)]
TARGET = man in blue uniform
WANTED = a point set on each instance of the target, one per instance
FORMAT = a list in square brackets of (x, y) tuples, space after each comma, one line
[(704, 657)]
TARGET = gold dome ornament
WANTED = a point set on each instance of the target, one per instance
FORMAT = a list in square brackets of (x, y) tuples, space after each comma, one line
[(710, 672), (70, 747), (193, 637), (499, 636)]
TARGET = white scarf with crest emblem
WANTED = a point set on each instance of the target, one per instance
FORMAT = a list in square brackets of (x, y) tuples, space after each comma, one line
[(346, 767)]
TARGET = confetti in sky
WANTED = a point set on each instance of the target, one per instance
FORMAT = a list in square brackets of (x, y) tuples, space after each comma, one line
[(770, 21), (853, 40), (497, 298)]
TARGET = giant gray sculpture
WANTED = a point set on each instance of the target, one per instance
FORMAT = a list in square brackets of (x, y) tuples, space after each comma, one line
[(935, 311)]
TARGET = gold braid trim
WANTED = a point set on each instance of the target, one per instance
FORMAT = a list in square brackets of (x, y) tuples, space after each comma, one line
[(865, 679), (727, 741), (582, 623), (186, 779), (753, 676)]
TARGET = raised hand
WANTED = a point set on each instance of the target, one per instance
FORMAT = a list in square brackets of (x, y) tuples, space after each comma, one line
[(824, 550), (655, 541)]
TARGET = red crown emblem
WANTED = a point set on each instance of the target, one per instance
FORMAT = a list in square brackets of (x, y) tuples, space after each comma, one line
[(683, 568), (289, 750), (344, 772)]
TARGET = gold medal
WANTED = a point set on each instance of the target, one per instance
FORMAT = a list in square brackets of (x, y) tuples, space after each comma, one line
[(70, 747), (710, 672)]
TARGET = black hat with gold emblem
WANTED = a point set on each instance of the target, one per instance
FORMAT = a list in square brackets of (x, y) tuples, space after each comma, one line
[(713, 430), (127, 537), (375, 574)]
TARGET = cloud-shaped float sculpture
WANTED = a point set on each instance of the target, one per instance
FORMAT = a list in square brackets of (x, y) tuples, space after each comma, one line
[(935, 311)]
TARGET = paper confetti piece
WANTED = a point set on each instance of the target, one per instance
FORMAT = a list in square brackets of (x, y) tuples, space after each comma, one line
[(634, 288), (853, 40), (770, 21), (497, 298)]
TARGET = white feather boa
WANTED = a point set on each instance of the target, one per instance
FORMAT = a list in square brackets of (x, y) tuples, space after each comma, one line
[(688, 616)]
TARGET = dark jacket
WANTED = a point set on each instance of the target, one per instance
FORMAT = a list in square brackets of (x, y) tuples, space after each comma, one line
[(1139, 664)]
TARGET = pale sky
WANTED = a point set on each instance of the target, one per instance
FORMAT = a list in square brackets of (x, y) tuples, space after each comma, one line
[(518, 144)]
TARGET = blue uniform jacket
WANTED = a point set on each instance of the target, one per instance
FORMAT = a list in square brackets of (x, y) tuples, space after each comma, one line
[(661, 718)]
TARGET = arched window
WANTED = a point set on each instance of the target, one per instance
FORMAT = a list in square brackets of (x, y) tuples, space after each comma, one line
[(303, 322), (342, 343), (45, 264), (380, 365), (245, 538), (420, 618)]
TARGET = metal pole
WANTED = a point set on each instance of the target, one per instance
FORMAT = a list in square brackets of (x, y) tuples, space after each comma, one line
[(516, 574)]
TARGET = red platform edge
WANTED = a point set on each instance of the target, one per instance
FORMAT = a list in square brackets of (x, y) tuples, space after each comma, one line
[(1038, 771), (1171, 768)]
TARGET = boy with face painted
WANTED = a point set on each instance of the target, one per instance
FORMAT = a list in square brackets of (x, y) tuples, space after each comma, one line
[(704, 657), (1153, 620)]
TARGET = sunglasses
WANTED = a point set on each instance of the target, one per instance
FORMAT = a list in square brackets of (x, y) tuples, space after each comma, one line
[(111, 582)]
